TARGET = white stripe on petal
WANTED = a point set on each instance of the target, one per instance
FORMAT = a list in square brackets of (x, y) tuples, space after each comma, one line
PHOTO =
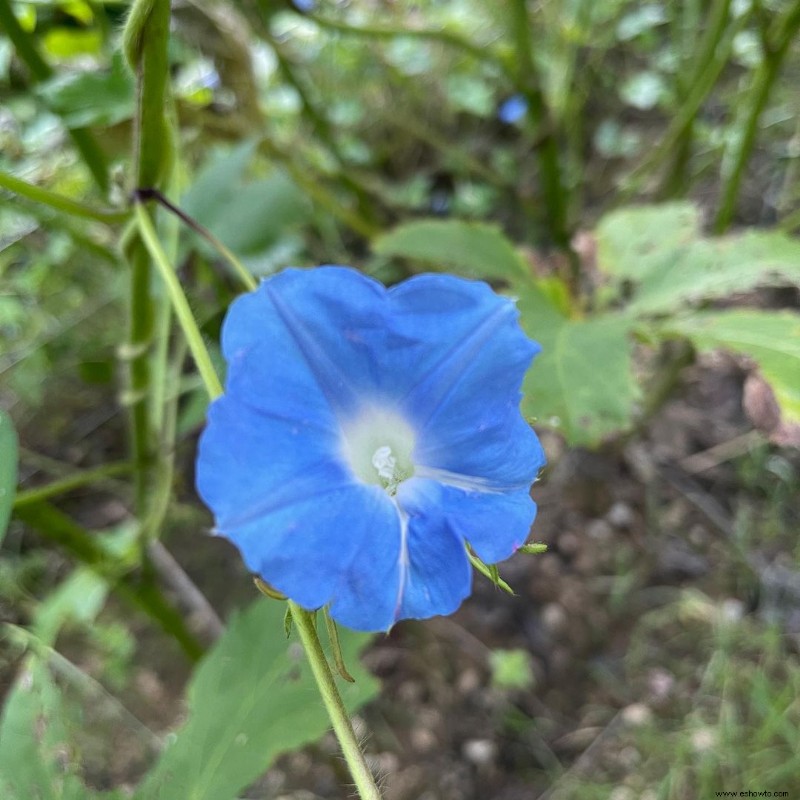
[(469, 483), (403, 561)]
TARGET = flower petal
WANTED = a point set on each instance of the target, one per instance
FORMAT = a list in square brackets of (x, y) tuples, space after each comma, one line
[(329, 321), (304, 548), (439, 575), (500, 452), (495, 523), (466, 404), (420, 572), (251, 461)]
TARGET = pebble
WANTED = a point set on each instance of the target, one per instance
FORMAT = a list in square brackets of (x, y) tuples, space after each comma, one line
[(622, 793), (569, 543), (480, 752), (600, 529), (554, 618), (703, 740), (660, 683), (423, 740), (636, 714), (621, 515), (468, 681), (731, 610), (629, 757)]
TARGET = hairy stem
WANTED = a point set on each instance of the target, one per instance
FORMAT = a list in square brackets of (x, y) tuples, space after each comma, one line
[(304, 622)]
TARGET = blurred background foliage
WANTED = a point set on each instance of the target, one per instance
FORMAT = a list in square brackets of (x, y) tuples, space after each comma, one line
[(628, 171)]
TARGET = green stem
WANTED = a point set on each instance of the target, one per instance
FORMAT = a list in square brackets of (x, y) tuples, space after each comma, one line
[(679, 128), (144, 594), (322, 128), (44, 196), (71, 482), (136, 352), (145, 44), (553, 190), (304, 622), (478, 52), (775, 50), (40, 70), (318, 192), (249, 282), (179, 302), (708, 49)]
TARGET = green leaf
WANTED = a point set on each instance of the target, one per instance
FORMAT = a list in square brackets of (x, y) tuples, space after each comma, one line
[(251, 699), (79, 598), (91, 98), (770, 338), (472, 249), (660, 249), (635, 242), (581, 383), (37, 758), (713, 268), (68, 43), (249, 217), (9, 456), (511, 669)]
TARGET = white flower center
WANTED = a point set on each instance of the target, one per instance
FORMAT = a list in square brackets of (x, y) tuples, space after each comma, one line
[(378, 446)]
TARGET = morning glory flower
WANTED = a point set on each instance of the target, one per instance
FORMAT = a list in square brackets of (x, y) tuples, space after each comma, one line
[(365, 435), (513, 109)]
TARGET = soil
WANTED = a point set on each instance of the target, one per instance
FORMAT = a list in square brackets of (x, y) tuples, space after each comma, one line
[(627, 527)]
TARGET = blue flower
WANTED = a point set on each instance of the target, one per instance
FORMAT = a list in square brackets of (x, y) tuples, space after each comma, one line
[(512, 109), (365, 435)]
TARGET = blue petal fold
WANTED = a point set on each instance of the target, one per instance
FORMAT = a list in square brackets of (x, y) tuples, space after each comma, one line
[(495, 523), (330, 322), (466, 391), (418, 573)]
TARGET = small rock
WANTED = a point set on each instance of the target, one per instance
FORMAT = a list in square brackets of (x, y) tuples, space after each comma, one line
[(423, 740), (622, 793), (636, 714), (480, 752), (468, 681), (621, 515), (569, 543), (409, 692), (629, 757), (731, 610), (554, 618), (600, 530), (660, 683), (704, 739)]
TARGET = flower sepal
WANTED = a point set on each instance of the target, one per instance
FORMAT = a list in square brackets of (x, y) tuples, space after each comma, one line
[(489, 571)]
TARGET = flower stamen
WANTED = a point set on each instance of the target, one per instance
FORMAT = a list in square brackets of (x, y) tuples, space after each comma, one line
[(378, 446), (384, 462)]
